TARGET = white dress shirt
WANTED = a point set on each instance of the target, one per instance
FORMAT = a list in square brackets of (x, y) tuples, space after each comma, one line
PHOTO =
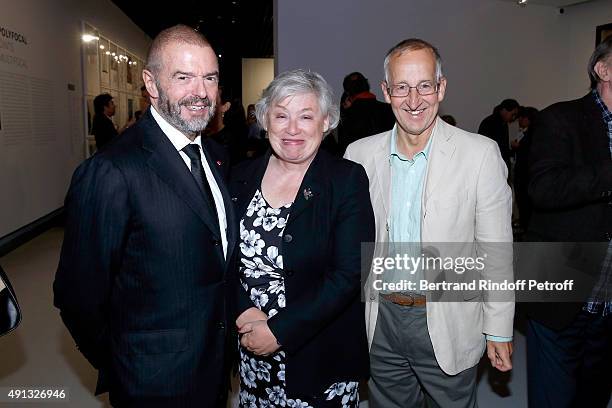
[(179, 141)]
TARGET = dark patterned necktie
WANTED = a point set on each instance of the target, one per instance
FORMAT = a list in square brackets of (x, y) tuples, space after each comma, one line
[(193, 152)]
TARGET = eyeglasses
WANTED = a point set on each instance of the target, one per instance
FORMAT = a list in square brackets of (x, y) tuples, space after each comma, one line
[(424, 88)]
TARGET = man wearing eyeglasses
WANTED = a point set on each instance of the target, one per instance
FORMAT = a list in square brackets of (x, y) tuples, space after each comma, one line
[(430, 184)]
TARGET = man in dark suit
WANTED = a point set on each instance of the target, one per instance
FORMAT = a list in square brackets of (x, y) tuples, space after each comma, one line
[(103, 127), (144, 276), (569, 345), (495, 126), (365, 116)]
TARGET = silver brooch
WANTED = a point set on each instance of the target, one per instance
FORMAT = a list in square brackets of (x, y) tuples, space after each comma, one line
[(307, 194)]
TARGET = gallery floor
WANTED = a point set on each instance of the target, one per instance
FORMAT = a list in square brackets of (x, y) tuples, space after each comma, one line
[(42, 353)]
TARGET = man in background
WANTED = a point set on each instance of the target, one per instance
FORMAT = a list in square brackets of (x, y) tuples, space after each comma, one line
[(495, 126), (364, 115), (103, 128), (569, 344)]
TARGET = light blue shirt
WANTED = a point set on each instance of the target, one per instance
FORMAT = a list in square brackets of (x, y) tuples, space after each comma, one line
[(407, 183), (407, 180)]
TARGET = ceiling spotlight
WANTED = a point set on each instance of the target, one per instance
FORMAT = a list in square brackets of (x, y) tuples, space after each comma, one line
[(522, 2), (101, 47), (107, 52)]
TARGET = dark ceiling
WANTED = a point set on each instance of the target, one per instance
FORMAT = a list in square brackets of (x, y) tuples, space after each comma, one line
[(232, 26), (236, 28)]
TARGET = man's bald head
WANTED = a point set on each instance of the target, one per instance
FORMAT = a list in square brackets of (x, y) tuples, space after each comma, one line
[(178, 34)]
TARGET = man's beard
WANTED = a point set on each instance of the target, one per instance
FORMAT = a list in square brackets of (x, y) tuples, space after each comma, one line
[(172, 112)]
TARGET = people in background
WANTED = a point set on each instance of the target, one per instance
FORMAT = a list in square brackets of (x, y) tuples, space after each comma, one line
[(495, 126), (103, 127), (430, 184), (145, 100), (569, 344), (449, 119), (520, 147), (364, 115), (304, 215), (228, 126), (255, 130)]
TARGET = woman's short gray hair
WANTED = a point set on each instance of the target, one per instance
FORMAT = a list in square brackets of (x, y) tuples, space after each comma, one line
[(298, 82)]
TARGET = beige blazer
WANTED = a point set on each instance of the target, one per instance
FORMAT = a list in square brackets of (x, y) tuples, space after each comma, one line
[(466, 199)]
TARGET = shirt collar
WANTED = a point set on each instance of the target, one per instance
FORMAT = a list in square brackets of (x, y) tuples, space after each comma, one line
[(605, 112), (395, 153), (176, 137)]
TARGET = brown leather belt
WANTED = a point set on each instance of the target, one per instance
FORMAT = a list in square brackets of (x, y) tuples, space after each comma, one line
[(406, 299)]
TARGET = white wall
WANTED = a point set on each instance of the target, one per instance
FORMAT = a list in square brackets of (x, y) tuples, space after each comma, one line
[(583, 20), (35, 170), (491, 49), (257, 73)]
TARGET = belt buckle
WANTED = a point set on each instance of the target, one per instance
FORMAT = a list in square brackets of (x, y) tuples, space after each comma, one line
[(410, 297)]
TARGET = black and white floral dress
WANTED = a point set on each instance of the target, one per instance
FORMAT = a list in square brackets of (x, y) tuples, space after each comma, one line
[(261, 274)]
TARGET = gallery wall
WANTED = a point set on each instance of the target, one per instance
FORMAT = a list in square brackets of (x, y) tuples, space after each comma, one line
[(42, 132), (583, 20), (257, 73), (492, 49)]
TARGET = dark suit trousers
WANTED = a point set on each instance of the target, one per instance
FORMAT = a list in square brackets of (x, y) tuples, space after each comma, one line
[(570, 367)]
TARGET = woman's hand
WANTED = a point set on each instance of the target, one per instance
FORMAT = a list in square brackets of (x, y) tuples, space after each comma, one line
[(258, 338), (250, 315)]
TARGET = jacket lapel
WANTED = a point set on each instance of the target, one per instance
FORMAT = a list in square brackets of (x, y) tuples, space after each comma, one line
[(310, 189), (382, 171), (596, 139), (167, 163), (216, 168), (246, 186), (442, 151)]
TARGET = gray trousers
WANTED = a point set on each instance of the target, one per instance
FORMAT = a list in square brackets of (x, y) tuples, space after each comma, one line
[(404, 370)]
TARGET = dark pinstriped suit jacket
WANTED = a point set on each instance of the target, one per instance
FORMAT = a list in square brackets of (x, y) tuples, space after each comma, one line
[(142, 281)]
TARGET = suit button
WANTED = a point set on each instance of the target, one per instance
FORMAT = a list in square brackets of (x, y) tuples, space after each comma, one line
[(234, 199), (216, 242), (221, 325), (287, 238), (289, 272)]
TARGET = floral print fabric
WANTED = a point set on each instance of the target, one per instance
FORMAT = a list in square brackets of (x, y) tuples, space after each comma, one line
[(261, 275)]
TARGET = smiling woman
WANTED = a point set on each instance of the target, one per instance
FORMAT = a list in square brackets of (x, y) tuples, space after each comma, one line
[(304, 217)]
